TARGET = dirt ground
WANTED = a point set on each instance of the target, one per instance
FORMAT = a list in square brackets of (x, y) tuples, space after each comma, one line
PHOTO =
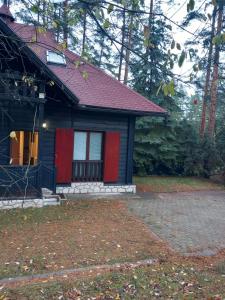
[(91, 232), (79, 233)]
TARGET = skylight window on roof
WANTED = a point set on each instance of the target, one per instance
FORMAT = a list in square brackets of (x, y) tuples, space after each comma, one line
[(56, 58)]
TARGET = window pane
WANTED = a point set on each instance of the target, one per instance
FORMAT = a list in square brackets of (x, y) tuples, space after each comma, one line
[(95, 146), (56, 58), (80, 142)]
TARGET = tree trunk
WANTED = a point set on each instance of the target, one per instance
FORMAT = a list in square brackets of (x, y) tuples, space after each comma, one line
[(84, 33), (151, 15), (57, 17), (207, 80), (65, 23), (214, 84), (127, 57), (38, 13), (44, 8), (149, 50), (122, 46), (101, 51), (150, 19)]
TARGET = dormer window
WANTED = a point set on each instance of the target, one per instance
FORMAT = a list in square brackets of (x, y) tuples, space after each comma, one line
[(56, 58)]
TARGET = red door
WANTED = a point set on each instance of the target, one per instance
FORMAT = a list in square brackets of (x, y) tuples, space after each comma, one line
[(64, 154), (111, 156)]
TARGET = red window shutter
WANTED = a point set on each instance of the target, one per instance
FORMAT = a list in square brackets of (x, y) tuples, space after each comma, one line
[(111, 156), (64, 154)]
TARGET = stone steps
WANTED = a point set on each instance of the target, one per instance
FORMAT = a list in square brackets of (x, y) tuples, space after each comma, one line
[(87, 184), (51, 202)]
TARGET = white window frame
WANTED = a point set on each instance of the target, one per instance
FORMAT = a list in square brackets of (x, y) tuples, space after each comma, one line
[(51, 61), (88, 144)]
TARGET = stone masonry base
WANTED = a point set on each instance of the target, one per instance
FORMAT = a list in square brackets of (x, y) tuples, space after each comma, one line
[(95, 188), (10, 204), (75, 188)]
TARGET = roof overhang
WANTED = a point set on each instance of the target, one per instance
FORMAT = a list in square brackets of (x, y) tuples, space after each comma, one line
[(121, 111)]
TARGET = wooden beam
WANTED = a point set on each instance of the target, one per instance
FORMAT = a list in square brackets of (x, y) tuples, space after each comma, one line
[(130, 149), (8, 74), (10, 98), (40, 144)]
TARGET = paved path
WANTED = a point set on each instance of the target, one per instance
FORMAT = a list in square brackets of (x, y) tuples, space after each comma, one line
[(192, 223)]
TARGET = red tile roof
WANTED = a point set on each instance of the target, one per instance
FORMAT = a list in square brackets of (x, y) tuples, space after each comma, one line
[(98, 90)]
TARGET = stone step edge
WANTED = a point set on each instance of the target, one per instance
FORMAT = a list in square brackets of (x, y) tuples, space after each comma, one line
[(82, 184), (104, 189)]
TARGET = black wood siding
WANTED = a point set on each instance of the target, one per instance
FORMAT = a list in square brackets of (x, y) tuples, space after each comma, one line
[(4, 146), (56, 116), (4, 132), (59, 116)]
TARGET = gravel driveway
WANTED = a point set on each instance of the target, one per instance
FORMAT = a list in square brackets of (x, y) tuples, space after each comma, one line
[(192, 223)]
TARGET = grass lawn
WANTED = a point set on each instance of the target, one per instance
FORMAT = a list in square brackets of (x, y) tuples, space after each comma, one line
[(164, 184), (79, 233), (168, 280), (85, 233)]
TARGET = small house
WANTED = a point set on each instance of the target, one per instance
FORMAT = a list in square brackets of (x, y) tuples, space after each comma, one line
[(65, 125)]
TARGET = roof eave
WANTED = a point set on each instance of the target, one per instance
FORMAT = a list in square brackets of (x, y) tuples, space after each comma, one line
[(122, 111), (39, 63)]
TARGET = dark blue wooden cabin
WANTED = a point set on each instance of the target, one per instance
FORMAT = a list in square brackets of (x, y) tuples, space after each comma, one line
[(62, 120)]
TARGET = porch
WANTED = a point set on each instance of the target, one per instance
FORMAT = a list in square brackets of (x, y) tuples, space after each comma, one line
[(22, 174)]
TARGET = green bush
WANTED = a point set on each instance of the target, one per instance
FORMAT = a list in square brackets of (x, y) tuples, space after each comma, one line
[(175, 148)]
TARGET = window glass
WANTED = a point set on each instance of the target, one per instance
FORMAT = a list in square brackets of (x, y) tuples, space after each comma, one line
[(56, 58), (80, 144), (23, 148), (95, 151)]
